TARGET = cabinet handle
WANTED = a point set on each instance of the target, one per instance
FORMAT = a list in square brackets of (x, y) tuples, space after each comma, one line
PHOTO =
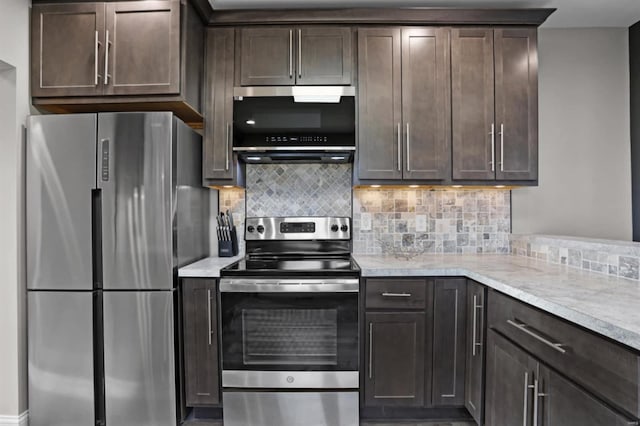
[(525, 406), (203, 394), (523, 327), (476, 307), (226, 151), (209, 315), (492, 133), (370, 350), (502, 147), (300, 54), (408, 148), (399, 142), (97, 53), (396, 294), (106, 59), (290, 53), (536, 395)]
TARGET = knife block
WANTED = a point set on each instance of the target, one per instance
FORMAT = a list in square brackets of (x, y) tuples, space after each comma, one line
[(229, 248)]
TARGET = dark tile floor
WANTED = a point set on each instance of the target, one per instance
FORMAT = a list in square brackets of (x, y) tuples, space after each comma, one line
[(385, 423)]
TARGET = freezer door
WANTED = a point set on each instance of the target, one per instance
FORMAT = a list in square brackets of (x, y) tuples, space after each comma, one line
[(61, 172), (140, 386), (135, 153), (61, 380)]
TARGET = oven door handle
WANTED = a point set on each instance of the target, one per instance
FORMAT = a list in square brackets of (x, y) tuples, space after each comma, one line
[(289, 286)]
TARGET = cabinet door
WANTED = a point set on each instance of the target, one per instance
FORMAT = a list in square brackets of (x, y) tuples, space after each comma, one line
[(510, 379), (516, 91), (67, 49), (143, 48), (560, 402), (449, 341), (218, 154), (394, 357), (473, 125), (324, 56), (476, 332), (267, 57), (379, 104), (202, 379), (426, 103)]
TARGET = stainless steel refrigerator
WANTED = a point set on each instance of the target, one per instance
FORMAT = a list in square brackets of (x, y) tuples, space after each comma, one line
[(115, 205)]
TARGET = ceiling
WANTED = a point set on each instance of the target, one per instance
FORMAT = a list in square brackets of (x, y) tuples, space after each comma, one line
[(570, 13)]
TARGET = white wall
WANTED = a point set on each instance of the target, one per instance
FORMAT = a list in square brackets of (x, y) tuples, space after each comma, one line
[(14, 50), (585, 159)]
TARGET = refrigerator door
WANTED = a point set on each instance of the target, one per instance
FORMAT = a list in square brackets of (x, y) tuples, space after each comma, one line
[(140, 386), (135, 174), (61, 378), (61, 172)]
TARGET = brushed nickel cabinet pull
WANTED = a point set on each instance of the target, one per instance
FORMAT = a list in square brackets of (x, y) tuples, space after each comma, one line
[(408, 148), (492, 133), (107, 44), (502, 147), (226, 152), (536, 394), (290, 53), (209, 316), (399, 142), (525, 406), (97, 53), (300, 54), (370, 350), (396, 294), (523, 327)]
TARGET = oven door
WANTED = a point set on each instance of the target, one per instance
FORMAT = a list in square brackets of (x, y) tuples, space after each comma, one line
[(289, 333)]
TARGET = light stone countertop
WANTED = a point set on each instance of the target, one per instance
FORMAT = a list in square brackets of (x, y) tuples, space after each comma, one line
[(609, 306), (208, 267)]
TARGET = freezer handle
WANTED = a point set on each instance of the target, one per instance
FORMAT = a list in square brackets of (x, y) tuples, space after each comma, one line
[(96, 238)]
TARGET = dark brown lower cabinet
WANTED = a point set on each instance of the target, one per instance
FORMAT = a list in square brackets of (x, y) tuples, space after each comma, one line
[(523, 391), (202, 372), (561, 403), (395, 359), (509, 395), (475, 351), (449, 341)]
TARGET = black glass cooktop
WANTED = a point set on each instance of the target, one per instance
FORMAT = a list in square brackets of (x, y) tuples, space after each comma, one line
[(290, 265)]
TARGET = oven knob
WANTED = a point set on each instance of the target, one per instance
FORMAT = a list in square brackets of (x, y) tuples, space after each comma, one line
[(344, 228), (250, 228), (334, 228), (260, 229)]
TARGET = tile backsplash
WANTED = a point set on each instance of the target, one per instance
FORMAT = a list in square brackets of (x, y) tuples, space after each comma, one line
[(298, 190), (431, 221), (616, 258)]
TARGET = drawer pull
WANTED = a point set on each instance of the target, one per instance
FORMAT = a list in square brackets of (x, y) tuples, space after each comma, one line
[(523, 327), (396, 294)]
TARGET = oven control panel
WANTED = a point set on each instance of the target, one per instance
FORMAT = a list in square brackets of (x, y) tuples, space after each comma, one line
[(298, 228)]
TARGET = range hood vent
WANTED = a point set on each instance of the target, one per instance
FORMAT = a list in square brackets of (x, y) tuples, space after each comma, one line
[(300, 94), (291, 156)]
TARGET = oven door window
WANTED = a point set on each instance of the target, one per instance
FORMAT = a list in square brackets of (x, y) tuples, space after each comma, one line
[(301, 331)]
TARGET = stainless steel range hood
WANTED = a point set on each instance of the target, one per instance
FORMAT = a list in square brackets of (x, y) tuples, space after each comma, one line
[(304, 94), (294, 124)]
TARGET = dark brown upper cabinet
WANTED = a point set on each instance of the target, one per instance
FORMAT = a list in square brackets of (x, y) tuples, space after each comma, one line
[(404, 104), (142, 48), (277, 56), (67, 49), (494, 104), (118, 56), (218, 134)]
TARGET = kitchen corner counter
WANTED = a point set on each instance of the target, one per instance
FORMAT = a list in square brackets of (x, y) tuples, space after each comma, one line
[(208, 267), (609, 306)]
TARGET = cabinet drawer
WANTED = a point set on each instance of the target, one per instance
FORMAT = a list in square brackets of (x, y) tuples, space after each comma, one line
[(396, 294), (605, 368)]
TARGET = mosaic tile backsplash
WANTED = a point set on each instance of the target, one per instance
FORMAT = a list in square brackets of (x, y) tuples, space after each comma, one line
[(298, 190), (431, 221), (616, 258)]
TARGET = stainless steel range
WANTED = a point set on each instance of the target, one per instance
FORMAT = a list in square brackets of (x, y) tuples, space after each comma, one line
[(290, 325)]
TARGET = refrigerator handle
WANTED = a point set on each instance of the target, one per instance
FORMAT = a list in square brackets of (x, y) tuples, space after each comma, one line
[(98, 360), (96, 238)]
